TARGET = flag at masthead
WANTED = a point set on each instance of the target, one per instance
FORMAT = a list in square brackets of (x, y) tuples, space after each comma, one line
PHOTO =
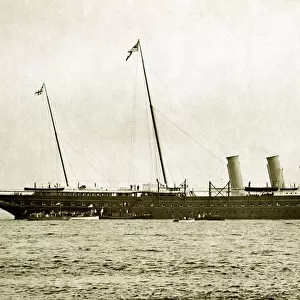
[(40, 91), (135, 48)]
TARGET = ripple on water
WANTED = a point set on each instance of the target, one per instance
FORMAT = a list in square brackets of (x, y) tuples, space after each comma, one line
[(150, 260)]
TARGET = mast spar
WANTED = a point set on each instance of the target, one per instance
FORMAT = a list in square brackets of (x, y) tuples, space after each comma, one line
[(153, 117), (56, 137)]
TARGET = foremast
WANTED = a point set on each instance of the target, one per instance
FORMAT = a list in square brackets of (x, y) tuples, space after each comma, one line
[(134, 49), (55, 131)]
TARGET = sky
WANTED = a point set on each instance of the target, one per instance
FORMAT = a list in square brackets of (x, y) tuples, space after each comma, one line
[(223, 77)]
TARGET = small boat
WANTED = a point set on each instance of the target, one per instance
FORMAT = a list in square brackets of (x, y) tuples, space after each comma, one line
[(210, 218), (128, 216), (48, 218), (86, 218), (186, 220)]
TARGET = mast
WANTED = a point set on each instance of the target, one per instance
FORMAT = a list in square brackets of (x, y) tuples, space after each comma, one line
[(56, 137), (153, 118)]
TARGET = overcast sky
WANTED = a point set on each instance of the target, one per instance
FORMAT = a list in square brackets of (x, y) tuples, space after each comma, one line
[(223, 75)]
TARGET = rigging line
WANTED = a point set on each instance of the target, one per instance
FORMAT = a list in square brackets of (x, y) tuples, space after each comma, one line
[(42, 153), (131, 172), (153, 150), (88, 162), (221, 146), (166, 150), (168, 142), (91, 131), (108, 174), (70, 165), (153, 153), (205, 148), (55, 133), (82, 155), (151, 157), (167, 139)]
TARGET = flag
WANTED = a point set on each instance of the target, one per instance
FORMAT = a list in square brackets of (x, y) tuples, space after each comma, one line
[(135, 48), (40, 91)]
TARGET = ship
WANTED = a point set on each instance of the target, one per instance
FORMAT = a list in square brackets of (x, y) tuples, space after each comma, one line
[(159, 200)]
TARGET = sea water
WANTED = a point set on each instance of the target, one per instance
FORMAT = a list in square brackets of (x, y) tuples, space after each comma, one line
[(150, 259)]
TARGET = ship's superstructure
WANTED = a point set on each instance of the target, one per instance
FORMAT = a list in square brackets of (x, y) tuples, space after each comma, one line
[(230, 202)]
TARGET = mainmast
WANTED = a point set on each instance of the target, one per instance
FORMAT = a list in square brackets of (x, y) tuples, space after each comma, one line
[(55, 133), (153, 117)]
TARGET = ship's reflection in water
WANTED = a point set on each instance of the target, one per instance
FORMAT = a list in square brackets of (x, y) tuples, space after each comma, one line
[(150, 259)]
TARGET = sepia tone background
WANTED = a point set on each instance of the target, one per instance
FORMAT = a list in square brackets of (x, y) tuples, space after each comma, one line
[(224, 78)]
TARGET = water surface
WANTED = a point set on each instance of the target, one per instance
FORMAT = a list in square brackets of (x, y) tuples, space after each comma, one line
[(149, 259)]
